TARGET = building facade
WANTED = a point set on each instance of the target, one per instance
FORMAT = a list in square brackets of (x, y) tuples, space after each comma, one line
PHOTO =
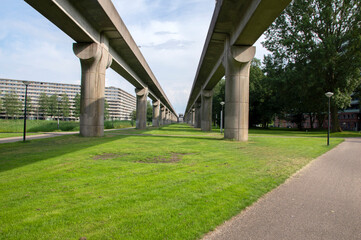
[(349, 119), (120, 103)]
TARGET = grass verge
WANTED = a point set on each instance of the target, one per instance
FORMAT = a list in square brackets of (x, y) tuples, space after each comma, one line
[(139, 187), (7, 135), (16, 126)]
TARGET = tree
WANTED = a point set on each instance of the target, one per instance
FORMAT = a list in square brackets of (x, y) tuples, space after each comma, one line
[(1, 103), (316, 43), (262, 104), (133, 117), (149, 112), (12, 104), (262, 96), (44, 105), (76, 106), (106, 111), (53, 107), (218, 97), (29, 105), (65, 106)]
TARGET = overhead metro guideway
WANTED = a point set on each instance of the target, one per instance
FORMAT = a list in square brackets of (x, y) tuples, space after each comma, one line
[(234, 28), (100, 33)]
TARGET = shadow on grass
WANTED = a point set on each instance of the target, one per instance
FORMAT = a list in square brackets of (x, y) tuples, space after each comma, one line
[(19, 154)]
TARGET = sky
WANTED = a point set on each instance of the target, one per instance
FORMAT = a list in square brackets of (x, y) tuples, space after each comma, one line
[(170, 33)]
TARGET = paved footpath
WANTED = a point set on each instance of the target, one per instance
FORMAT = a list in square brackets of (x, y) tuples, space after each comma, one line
[(322, 201)]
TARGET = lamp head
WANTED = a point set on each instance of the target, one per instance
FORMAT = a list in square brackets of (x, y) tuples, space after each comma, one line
[(26, 83), (222, 103), (329, 94)]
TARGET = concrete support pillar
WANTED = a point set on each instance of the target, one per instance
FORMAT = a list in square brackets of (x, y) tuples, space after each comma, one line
[(197, 115), (156, 117), (142, 94), (162, 115), (94, 60), (206, 110), (237, 62), (193, 117)]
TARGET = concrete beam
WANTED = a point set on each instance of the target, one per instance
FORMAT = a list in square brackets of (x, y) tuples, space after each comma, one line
[(94, 60), (99, 22)]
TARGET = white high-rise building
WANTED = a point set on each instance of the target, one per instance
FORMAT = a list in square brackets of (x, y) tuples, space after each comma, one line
[(121, 103)]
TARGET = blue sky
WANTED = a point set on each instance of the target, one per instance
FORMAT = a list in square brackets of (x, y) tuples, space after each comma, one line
[(171, 34)]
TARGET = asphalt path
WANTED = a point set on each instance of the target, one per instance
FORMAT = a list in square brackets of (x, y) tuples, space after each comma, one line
[(321, 201)]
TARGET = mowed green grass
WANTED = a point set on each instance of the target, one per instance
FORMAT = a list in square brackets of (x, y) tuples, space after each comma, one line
[(7, 135), (139, 187), (304, 133), (17, 126)]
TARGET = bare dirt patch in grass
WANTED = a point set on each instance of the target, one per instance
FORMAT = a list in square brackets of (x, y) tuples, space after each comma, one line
[(173, 158), (107, 156)]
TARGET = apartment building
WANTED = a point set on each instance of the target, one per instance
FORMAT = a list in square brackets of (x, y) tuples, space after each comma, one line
[(121, 103)]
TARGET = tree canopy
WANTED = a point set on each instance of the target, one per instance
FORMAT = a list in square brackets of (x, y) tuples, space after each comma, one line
[(76, 106), (12, 104), (315, 46)]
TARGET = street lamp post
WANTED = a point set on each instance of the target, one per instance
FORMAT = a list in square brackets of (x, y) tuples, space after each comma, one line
[(26, 83), (329, 95), (222, 103)]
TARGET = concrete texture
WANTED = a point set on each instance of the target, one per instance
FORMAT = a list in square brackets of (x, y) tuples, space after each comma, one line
[(320, 202), (162, 115), (142, 95), (193, 121), (166, 116), (197, 109), (206, 110), (99, 22), (156, 115), (237, 62), (94, 59)]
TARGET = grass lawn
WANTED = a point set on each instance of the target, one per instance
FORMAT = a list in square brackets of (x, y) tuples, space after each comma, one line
[(16, 126), (140, 187), (7, 135), (308, 133)]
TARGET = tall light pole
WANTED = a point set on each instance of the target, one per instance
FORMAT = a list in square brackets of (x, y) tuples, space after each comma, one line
[(26, 83), (329, 95), (222, 103)]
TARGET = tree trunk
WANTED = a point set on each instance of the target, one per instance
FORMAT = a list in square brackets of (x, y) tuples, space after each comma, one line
[(335, 124), (311, 119)]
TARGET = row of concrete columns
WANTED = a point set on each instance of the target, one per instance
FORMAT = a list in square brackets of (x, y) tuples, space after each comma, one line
[(94, 60), (161, 114), (237, 62)]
